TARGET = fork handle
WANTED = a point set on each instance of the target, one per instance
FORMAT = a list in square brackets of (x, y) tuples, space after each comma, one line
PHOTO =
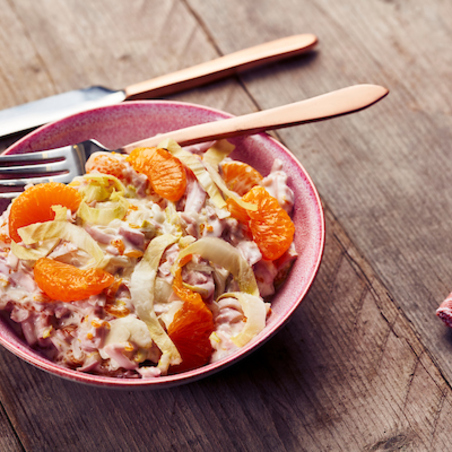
[(222, 67), (335, 103)]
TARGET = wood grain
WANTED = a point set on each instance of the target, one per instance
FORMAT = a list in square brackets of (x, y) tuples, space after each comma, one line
[(383, 172), (344, 374), (363, 365)]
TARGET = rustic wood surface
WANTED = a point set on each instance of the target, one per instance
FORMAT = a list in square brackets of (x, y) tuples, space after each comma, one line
[(364, 364)]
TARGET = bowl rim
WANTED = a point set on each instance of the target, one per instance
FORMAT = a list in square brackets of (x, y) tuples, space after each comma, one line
[(23, 351)]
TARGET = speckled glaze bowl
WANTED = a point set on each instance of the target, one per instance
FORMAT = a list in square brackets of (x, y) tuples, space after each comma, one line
[(121, 124)]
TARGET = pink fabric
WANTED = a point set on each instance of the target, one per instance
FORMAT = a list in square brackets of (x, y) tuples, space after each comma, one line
[(444, 312)]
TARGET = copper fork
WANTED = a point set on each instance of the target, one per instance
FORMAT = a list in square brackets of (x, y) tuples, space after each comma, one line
[(65, 163)]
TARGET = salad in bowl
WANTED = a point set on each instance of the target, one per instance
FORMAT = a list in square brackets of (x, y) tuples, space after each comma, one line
[(151, 265)]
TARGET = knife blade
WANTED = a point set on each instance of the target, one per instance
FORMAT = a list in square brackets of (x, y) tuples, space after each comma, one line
[(33, 114)]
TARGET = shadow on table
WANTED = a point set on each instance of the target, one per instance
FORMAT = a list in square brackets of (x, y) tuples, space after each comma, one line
[(265, 387)]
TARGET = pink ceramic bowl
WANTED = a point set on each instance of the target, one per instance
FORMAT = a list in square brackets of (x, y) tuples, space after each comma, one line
[(131, 121)]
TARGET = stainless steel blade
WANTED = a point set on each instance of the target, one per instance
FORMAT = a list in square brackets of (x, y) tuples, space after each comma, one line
[(34, 114)]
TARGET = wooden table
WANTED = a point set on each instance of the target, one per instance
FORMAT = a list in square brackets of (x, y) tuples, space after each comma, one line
[(364, 364)]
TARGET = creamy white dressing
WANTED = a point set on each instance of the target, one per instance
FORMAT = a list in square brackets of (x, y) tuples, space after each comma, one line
[(276, 184), (104, 334)]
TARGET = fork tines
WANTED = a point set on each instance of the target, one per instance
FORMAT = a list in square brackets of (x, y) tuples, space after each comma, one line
[(19, 170)]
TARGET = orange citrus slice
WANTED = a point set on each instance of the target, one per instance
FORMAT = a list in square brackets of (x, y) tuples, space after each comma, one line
[(64, 282), (106, 164), (240, 177), (34, 205), (164, 171), (191, 328)]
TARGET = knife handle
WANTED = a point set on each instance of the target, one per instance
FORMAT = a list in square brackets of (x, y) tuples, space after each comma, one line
[(222, 67)]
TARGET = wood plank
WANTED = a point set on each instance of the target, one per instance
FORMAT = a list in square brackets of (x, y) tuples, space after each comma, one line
[(45, 55), (74, 45), (112, 46), (9, 441), (383, 172), (347, 373)]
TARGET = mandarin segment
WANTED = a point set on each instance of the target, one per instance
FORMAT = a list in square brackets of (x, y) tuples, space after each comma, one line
[(164, 171), (238, 212), (184, 293), (271, 226), (34, 205), (64, 282), (140, 159), (168, 176), (191, 328), (240, 177), (106, 164)]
